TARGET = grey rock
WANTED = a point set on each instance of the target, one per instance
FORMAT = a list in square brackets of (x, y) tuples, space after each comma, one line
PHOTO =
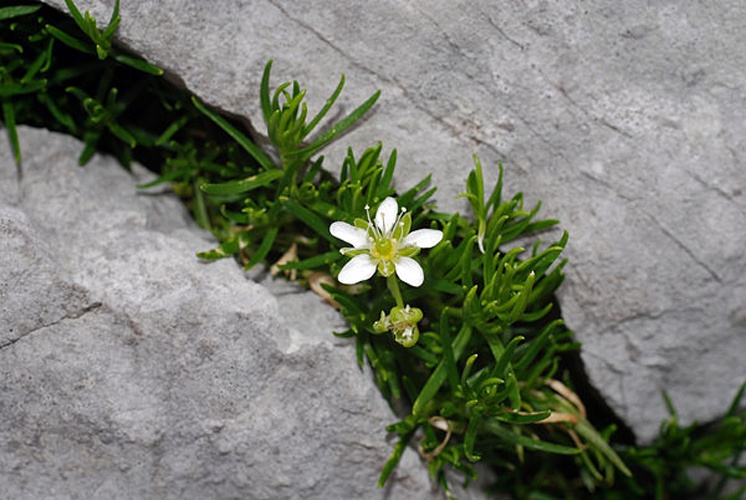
[(130, 369), (627, 119)]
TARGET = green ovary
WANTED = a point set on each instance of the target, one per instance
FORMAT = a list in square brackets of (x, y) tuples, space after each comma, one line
[(384, 250), (384, 254)]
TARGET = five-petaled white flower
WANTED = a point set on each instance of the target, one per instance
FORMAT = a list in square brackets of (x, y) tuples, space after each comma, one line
[(386, 245)]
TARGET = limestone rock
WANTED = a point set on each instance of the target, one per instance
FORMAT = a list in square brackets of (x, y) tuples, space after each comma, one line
[(130, 369), (627, 119)]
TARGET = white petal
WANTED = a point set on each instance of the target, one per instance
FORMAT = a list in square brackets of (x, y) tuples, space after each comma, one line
[(423, 238), (409, 271), (355, 236), (386, 215), (360, 268)]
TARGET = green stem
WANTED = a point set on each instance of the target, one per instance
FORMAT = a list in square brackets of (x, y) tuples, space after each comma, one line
[(393, 285)]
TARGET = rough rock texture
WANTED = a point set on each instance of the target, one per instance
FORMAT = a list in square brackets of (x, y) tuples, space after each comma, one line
[(129, 369), (628, 119)]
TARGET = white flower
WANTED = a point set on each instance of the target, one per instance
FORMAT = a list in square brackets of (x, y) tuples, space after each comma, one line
[(386, 245)]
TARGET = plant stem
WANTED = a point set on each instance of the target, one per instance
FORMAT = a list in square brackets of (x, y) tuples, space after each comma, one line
[(393, 285)]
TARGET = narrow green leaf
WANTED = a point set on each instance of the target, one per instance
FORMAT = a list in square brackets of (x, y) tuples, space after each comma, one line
[(168, 177), (226, 249), (439, 375), (63, 118), (113, 22), (41, 61), (514, 390), (669, 405), (586, 430), (171, 130), (470, 437), (314, 262), (523, 299), (337, 129), (238, 136), (78, 17), (139, 64), (514, 417), (11, 89), (242, 186), (17, 11), (536, 345), (89, 149), (325, 109), (393, 461), (320, 226), (448, 358), (736, 403), (264, 93), (346, 301), (123, 134), (504, 359), (11, 46), (9, 117), (68, 40), (384, 184), (497, 428), (264, 248), (199, 207), (494, 200)]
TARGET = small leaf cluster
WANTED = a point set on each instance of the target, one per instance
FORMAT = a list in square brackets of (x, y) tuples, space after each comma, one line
[(664, 468), (67, 75), (40, 66)]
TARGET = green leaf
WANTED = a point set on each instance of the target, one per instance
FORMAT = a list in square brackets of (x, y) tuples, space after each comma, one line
[(11, 46), (11, 89), (68, 40), (314, 262), (494, 426), (226, 249), (264, 248), (338, 128), (83, 24), (43, 60), (504, 358), (514, 417), (320, 226), (242, 186), (171, 130), (394, 459), (238, 136), (63, 118), (113, 22), (448, 358), (9, 118), (264, 93), (527, 357), (325, 109), (17, 11), (139, 64), (439, 375), (736, 403), (470, 437), (167, 177), (586, 430)]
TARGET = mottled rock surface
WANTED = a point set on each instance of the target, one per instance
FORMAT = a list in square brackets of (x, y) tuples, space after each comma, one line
[(129, 369), (628, 119)]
